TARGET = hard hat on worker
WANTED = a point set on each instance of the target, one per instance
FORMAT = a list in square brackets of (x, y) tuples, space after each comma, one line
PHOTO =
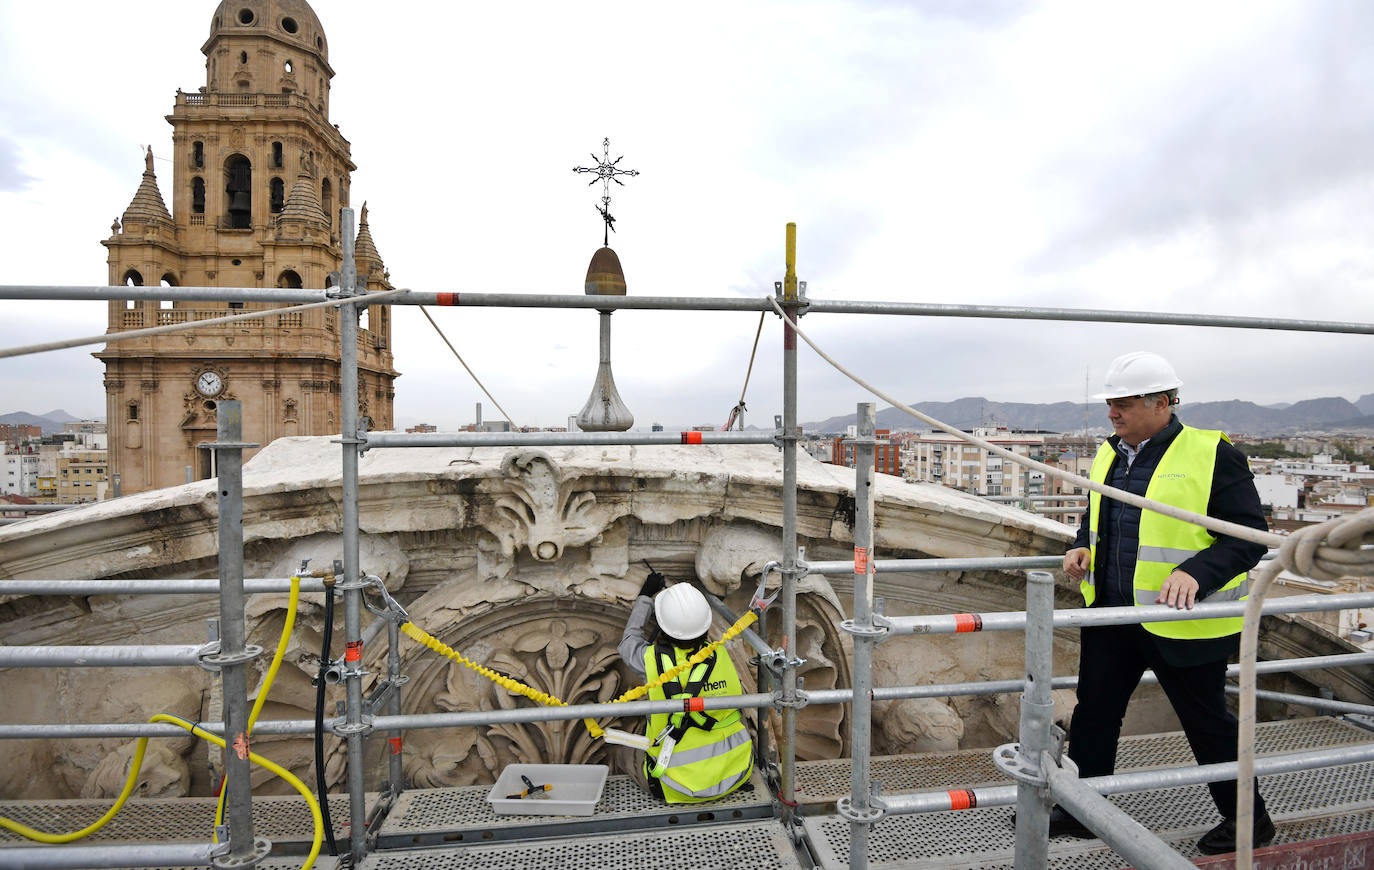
[(682, 611), (1139, 373)]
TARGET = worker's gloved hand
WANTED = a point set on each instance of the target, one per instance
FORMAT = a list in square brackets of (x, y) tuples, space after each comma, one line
[(653, 584)]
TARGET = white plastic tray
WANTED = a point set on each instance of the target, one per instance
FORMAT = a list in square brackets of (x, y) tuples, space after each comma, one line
[(576, 789)]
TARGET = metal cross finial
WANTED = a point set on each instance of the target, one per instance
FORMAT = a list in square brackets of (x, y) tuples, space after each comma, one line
[(606, 171)]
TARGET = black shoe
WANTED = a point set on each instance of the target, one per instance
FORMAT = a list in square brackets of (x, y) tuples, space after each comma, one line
[(1064, 825), (1222, 838)]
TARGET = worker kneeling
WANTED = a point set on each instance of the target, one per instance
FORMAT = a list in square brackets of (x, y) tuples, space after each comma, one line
[(693, 756)]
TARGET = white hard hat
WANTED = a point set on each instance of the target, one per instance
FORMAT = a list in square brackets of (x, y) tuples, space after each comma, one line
[(1138, 373), (682, 611)]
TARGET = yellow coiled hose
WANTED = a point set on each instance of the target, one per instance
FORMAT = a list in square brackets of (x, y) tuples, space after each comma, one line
[(420, 636)]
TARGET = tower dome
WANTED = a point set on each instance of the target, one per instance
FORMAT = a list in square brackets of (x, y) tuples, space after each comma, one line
[(604, 275), (267, 47)]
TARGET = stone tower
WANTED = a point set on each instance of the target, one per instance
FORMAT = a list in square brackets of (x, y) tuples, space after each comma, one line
[(258, 177)]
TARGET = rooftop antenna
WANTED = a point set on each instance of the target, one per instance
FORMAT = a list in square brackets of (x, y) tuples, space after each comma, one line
[(606, 171)]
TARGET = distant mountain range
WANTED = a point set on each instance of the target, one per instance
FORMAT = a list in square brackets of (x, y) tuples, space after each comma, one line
[(1234, 417), (50, 422)]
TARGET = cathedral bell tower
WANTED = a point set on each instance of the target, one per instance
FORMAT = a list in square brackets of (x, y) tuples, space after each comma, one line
[(258, 177)]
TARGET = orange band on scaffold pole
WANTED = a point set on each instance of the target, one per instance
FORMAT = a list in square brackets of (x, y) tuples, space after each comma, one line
[(860, 560), (967, 622), (446, 298), (694, 705), (691, 437), (395, 745), (962, 799)]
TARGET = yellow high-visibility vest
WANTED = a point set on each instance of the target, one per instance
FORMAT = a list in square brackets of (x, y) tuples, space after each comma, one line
[(1183, 479), (704, 764)]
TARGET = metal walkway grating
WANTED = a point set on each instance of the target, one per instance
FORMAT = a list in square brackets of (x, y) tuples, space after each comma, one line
[(752, 845), (1305, 805), (462, 815), (283, 819), (824, 782)]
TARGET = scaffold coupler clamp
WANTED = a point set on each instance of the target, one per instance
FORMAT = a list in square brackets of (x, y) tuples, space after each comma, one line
[(878, 628), (391, 608), (800, 699), (221, 858), (210, 657), (1032, 771), (873, 813)]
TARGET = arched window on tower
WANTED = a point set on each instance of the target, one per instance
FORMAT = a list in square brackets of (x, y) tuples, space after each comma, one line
[(197, 195), (289, 280), (238, 188), (169, 280), (198, 154), (278, 195), (276, 155), (133, 279), (327, 201)]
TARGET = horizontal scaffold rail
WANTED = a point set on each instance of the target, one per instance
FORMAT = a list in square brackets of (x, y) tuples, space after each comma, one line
[(72, 730), (1082, 617), (987, 563), (681, 303), (555, 439), (170, 586), (94, 656), (112, 855)]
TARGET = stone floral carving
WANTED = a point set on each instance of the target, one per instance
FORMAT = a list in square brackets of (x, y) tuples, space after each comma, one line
[(543, 511)]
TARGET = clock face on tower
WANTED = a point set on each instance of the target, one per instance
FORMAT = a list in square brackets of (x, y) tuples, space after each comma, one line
[(209, 383)]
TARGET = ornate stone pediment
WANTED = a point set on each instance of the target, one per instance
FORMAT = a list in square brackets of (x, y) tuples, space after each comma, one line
[(542, 511)]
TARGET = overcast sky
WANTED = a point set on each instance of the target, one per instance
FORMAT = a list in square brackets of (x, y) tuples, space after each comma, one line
[(1186, 157)]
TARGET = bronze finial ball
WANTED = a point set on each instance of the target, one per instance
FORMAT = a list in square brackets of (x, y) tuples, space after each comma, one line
[(604, 275)]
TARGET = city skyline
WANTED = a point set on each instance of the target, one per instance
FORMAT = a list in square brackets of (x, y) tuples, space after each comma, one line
[(1063, 156)]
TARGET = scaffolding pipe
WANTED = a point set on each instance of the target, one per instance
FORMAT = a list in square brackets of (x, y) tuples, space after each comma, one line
[(859, 811), (1127, 837), (692, 303), (395, 737), (1328, 705), (1037, 719), (377, 440), (180, 586), (353, 728), (150, 656), (233, 657), (985, 563), (107, 855), (69, 730), (792, 305), (1084, 617), (1140, 780)]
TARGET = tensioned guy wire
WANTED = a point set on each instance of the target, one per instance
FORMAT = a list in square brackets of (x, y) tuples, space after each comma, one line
[(470, 372)]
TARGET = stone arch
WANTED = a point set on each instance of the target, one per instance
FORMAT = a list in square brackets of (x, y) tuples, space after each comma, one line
[(132, 278), (289, 279), (277, 195)]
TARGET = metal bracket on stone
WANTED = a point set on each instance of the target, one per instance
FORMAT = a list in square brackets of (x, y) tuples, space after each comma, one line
[(262, 847)]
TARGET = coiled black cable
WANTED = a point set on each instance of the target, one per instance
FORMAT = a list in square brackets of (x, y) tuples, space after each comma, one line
[(321, 788)]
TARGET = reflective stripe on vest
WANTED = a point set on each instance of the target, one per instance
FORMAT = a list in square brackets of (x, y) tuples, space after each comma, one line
[(1183, 479), (705, 763)]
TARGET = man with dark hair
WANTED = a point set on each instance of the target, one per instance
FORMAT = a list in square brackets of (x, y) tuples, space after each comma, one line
[(1126, 556)]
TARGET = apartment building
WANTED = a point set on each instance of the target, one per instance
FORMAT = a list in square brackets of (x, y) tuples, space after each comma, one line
[(944, 459)]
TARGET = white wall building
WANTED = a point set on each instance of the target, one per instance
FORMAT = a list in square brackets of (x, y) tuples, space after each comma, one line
[(18, 473), (947, 460)]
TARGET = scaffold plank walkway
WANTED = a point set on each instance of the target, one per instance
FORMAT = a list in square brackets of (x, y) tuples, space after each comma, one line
[(1306, 805)]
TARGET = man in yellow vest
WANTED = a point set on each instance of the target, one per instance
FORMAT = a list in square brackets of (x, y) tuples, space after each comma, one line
[(695, 755), (1126, 556)]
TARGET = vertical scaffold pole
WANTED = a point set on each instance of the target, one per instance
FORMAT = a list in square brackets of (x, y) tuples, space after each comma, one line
[(1037, 718), (791, 303), (353, 728), (860, 811), (233, 654), (395, 773)]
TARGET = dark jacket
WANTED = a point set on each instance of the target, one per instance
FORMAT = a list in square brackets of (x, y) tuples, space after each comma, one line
[(1233, 498)]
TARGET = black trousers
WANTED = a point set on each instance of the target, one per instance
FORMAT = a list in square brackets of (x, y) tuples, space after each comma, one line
[(1111, 662)]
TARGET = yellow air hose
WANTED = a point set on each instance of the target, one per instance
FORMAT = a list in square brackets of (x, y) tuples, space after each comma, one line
[(420, 636), (136, 763), (266, 687)]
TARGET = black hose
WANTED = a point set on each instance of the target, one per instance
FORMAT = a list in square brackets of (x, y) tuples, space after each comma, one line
[(321, 788)]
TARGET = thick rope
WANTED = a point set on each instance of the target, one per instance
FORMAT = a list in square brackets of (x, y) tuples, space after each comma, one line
[(126, 335), (510, 684), (1329, 551), (470, 372)]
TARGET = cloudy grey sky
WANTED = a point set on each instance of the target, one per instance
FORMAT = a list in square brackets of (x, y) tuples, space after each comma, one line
[(1174, 156)]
